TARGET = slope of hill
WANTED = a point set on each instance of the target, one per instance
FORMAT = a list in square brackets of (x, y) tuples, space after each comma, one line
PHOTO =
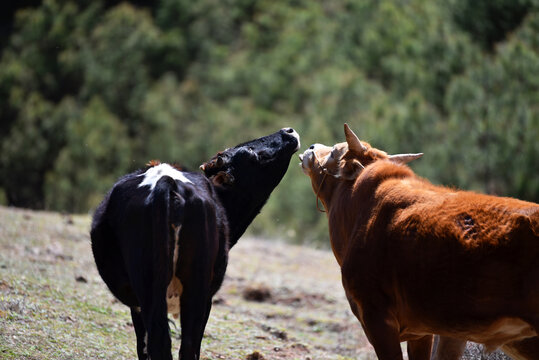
[(278, 300)]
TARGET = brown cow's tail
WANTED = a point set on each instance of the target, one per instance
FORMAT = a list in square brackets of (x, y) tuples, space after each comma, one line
[(167, 210)]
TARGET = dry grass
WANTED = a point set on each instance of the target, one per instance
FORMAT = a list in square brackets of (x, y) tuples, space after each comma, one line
[(53, 304)]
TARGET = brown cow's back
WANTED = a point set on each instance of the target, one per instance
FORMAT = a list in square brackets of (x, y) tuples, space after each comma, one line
[(451, 256)]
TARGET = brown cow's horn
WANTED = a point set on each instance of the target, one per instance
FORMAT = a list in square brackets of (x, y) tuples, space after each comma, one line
[(353, 141), (404, 158)]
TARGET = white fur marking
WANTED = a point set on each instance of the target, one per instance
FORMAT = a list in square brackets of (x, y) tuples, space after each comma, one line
[(294, 134), (153, 174), (175, 287), (145, 350)]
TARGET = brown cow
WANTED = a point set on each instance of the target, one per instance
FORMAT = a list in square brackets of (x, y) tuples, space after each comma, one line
[(418, 259)]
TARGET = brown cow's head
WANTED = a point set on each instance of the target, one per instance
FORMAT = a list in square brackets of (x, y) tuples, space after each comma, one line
[(344, 161)]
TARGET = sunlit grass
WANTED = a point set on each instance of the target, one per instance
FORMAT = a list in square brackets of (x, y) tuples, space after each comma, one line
[(46, 313)]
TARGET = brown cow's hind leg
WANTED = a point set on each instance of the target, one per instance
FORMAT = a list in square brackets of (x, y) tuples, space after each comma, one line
[(420, 349), (449, 349), (527, 349)]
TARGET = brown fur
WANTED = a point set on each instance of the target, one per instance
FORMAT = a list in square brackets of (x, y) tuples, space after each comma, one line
[(419, 259), (153, 163)]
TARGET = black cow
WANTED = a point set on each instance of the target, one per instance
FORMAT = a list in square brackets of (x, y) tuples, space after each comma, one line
[(161, 236)]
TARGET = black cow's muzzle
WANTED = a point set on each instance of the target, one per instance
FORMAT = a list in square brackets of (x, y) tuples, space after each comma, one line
[(293, 134)]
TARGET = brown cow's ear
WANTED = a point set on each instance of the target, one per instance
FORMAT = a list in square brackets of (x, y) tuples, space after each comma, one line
[(351, 170), (222, 177), (353, 141)]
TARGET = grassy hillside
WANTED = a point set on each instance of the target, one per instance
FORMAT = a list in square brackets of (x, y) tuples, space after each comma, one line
[(54, 305)]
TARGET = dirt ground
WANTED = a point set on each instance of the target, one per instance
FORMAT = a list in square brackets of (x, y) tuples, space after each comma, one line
[(278, 301)]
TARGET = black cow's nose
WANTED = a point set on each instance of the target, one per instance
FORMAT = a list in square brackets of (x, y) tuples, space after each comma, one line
[(311, 147), (289, 130)]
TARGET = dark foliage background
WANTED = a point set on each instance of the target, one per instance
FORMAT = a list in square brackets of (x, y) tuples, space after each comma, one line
[(90, 90)]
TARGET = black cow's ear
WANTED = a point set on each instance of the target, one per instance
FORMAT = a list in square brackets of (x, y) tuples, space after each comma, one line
[(218, 161), (222, 177)]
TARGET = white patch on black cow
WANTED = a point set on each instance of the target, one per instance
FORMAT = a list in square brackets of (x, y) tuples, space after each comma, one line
[(153, 174), (145, 349), (294, 134), (175, 287)]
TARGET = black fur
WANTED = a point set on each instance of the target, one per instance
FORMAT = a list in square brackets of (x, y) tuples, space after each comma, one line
[(133, 237)]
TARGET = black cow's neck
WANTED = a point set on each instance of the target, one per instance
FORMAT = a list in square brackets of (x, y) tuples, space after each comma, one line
[(241, 207)]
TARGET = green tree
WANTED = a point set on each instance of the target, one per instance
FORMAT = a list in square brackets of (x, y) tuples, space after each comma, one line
[(180, 80), (96, 154), (29, 150), (494, 123), (36, 71), (490, 21), (114, 59)]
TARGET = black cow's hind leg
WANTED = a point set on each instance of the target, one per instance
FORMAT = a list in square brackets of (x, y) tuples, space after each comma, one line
[(199, 246), (151, 294), (154, 315), (194, 314), (140, 331), (201, 334)]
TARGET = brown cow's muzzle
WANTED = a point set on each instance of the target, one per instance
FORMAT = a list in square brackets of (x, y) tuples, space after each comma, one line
[(307, 161), (310, 159)]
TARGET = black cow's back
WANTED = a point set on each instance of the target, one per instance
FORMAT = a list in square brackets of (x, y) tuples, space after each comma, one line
[(122, 226)]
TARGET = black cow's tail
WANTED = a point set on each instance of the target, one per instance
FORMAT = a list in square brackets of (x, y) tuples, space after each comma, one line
[(167, 215)]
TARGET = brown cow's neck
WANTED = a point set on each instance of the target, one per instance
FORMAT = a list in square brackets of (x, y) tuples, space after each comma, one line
[(329, 193), (350, 204), (339, 215)]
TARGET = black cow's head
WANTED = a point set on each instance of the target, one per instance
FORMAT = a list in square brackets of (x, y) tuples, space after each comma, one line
[(262, 161), (246, 174)]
